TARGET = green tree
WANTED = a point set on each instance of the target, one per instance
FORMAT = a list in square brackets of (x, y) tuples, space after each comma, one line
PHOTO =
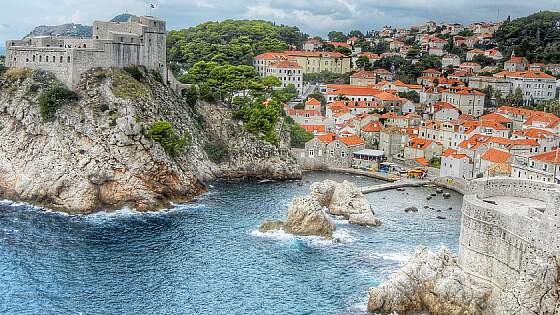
[(363, 63), (536, 36), (411, 95), (271, 82), (163, 133), (335, 36)]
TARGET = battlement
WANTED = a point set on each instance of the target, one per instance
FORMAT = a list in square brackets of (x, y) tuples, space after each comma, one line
[(503, 221), (140, 41)]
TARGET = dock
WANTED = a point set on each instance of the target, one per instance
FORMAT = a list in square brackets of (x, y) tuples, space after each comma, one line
[(395, 185)]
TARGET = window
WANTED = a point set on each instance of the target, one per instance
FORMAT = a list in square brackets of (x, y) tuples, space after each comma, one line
[(40, 58), (332, 153), (311, 153), (343, 154), (33, 58), (60, 59), (68, 59), (53, 58)]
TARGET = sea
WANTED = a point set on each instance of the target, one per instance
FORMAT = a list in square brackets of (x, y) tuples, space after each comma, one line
[(208, 257)]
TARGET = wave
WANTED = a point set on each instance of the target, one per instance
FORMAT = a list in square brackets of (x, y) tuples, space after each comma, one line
[(400, 257), (340, 236)]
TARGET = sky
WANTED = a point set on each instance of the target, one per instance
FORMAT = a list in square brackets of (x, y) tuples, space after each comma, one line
[(315, 17)]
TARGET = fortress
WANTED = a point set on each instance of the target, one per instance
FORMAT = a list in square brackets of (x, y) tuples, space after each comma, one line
[(140, 41), (506, 221)]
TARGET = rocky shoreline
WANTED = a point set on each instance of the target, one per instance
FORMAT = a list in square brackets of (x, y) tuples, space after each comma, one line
[(434, 283), (95, 155)]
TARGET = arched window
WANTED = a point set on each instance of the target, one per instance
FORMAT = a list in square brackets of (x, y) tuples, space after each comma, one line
[(46, 58), (84, 45), (33, 58), (53, 58), (68, 59), (60, 59), (40, 58), (26, 59)]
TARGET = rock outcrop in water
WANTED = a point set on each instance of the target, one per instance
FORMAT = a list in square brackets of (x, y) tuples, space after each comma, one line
[(433, 282), (308, 215), (95, 154)]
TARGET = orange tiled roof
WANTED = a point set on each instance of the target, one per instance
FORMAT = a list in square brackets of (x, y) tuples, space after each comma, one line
[(385, 96), (443, 105), (496, 156), (364, 75), (314, 128), (419, 143), (551, 157), (496, 117), (286, 64), (327, 138), (312, 101), (373, 126), (534, 133), (351, 140)]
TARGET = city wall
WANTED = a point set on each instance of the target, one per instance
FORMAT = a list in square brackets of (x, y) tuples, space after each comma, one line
[(495, 243)]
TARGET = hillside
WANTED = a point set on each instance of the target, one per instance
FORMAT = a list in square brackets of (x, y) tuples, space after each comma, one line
[(71, 29), (536, 36), (67, 30), (230, 41), (123, 139)]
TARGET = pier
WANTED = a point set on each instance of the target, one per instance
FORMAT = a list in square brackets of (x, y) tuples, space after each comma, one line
[(395, 185)]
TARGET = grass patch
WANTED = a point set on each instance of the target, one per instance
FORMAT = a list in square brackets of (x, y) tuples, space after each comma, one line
[(16, 74), (127, 87)]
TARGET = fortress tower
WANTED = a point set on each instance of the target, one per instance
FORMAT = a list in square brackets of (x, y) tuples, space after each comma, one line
[(505, 222), (140, 41)]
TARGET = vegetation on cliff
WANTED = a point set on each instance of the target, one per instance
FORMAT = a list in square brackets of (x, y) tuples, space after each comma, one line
[(163, 133), (52, 99), (228, 42), (536, 36)]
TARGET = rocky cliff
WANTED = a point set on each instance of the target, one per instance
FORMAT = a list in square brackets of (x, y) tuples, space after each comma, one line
[(96, 153), (434, 282)]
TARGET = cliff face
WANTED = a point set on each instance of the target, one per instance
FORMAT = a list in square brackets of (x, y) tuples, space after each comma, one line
[(434, 282), (95, 154)]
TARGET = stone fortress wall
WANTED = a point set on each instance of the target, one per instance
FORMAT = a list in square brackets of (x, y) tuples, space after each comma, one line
[(497, 239), (140, 41)]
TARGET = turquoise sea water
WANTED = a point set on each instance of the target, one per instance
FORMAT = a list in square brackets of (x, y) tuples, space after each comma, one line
[(207, 257)]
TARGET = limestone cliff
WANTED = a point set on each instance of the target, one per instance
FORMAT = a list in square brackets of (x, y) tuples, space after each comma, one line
[(95, 154), (434, 282)]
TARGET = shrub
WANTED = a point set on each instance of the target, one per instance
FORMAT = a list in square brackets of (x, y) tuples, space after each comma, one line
[(135, 72), (206, 93), (2, 69), (217, 152), (163, 133), (52, 99), (191, 95), (15, 74), (157, 76)]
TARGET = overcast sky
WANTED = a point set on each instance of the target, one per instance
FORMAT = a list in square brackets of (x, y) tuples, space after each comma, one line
[(316, 17)]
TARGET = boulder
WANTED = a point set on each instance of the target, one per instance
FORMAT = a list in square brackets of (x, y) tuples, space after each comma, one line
[(323, 191), (306, 217), (271, 225), (429, 282), (364, 219), (348, 199), (411, 209)]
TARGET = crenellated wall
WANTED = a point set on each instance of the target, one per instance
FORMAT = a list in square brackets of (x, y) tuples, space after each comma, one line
[(496, 238)]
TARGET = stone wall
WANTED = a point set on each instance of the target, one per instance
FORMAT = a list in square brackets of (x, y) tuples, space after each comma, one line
[(138, 42), (495, 243)]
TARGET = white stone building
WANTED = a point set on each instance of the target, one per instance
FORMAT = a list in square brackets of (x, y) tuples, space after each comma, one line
[(288, 72), (139, 41)]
